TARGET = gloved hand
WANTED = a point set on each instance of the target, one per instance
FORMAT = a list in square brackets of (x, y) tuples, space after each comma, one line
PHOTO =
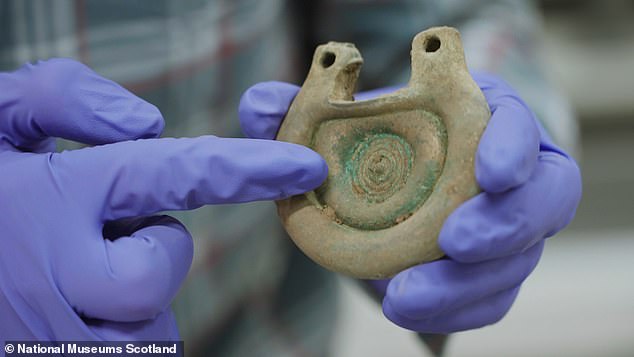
[(531, 189), (63, 274)]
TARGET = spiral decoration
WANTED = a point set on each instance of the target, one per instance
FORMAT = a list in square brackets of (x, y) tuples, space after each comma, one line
[(380, 166)]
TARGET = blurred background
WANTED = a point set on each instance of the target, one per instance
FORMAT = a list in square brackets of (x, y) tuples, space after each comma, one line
[(580, 300)]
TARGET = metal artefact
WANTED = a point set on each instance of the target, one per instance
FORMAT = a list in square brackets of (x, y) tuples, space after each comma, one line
[(398, 164)]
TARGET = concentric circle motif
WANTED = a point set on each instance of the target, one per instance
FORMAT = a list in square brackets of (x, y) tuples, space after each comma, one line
[(380, 166)]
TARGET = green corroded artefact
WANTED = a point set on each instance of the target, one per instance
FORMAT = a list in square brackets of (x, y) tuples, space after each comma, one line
[(398, 164)]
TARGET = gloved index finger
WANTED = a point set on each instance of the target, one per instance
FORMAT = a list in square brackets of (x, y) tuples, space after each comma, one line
[(147, 176), (63, 98)]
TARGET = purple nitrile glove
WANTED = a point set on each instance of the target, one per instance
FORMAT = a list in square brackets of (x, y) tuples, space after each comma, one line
[(80, 259), (531, 189)]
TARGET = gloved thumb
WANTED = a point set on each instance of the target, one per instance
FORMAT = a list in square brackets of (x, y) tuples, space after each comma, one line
[(263, 107), (133, 274)]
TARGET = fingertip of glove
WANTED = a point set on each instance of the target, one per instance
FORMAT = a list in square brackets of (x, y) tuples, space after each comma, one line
[(495, 175), (148, 123), (403, 292), (389, 313), (312, 169), (508, 149), (413, 324), (320, 169), (288, 169), (502, 164), (393, 313), (263, 106)]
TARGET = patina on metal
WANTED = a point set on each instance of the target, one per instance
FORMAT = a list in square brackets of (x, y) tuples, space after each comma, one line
[(398, 164)]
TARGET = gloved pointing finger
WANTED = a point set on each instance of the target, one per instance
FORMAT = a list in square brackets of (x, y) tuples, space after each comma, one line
[(148, 176)]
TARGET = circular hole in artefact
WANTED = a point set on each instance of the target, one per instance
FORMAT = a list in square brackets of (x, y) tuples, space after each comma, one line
[(432, 44), (328, 59)]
